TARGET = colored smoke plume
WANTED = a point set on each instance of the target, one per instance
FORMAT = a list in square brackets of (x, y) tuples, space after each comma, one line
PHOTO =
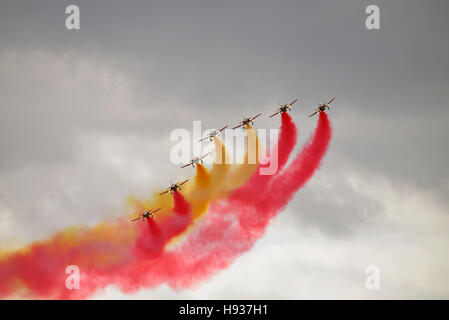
[(137, 255)]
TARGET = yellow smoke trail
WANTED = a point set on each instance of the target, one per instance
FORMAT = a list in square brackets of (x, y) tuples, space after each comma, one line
[(110, 242), (115, 237), (220, 169), (221, 179), (240, 174), (199, 195), (207, 186), (202, 178)]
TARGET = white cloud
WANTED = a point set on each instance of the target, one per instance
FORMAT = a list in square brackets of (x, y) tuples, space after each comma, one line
[(303, 263)]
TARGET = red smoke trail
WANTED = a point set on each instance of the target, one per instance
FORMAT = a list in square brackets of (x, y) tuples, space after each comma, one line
[(283, 187), (212, 245), (286, 142), (41, 269), (153, 236), (234, 225), (258, 209), (231, 227)]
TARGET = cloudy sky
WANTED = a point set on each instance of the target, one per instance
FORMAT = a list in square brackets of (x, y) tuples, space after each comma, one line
[(86, 115)]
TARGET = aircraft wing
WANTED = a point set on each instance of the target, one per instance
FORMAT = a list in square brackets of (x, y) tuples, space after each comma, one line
[(163, 192), (205, 155), (180, 184), (331, 100), (186, 165), (203, 139), (135, 219), (314, 113), (156, 210), (238, 126), (275, 114), (291, 103), (222, 128), (255, 117)]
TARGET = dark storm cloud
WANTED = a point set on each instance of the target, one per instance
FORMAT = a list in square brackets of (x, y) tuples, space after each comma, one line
[(213, 58)]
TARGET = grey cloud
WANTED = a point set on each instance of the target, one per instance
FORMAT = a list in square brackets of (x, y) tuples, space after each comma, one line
[(339, 211)]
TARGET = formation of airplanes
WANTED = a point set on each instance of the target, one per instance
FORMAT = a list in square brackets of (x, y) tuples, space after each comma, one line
[(243, 124)]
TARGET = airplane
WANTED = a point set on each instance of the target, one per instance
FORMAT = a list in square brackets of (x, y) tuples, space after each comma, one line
[(146, 215), (213, 134), (322, 107), (174, 187), (246, 121), (196, 160), (284, 108)]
